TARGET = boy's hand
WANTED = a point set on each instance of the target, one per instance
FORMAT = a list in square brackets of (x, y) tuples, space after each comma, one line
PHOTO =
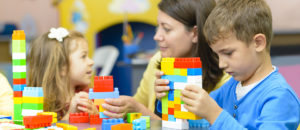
[(200, 103), (118, 107), (160, 85)]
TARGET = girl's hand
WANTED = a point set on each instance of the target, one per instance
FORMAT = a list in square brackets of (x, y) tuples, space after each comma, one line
[(118, 107), (161, 85), (85, 104), (200, 103)]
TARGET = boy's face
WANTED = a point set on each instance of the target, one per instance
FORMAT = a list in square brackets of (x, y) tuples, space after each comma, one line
[(80, 64), (236, 57)]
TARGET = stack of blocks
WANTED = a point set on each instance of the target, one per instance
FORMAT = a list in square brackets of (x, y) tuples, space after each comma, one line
[(180, 72), (53, 114), (33, 100), (19, 71), (103, 88)]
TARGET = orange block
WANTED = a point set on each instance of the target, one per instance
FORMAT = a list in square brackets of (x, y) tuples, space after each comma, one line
[(165, 117), (19, 81), (177, 107), (123, 126)]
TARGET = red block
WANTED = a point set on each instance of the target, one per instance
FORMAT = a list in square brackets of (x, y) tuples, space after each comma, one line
[(103, 84), (94, 119), (79, 117), (38, 121), (17, 93), (196, 63), (171, 111), (19, 81)]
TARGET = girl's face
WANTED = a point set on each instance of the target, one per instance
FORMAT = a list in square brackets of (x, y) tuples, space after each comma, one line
[(80, 63), (173, 38)]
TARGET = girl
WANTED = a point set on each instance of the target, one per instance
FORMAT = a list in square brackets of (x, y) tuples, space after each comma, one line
[(59, 62), (179, 34)]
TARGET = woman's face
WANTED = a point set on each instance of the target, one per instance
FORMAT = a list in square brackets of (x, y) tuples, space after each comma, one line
[(173, 39)]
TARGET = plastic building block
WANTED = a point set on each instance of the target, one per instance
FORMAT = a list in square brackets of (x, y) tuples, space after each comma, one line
[(103, 84), (33, 99), (37, 121), (186, 115), (90, 129), (103, 95), (183, 72), (133, 116), (165, 117), (28, 112), (32, 106), (18, 56), (171, 95), (147, 118), (175, 78), (171, 111), (17, 68), (203, 124), (171, 85), (17, 93), (107, 123), (194, 71), (19, 81), (33, 92), (123, 126), (95, 119), (18, 100), (66, 126), (179, 124), (53, 114), (101, 115), (19, 87), (19, 75), (139, 124), (79, 117), (171, 118)]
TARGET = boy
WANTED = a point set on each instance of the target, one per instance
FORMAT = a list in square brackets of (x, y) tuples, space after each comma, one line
[(257, 97)]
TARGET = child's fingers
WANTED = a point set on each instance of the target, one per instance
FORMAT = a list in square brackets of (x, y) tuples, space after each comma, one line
[(83, 109), (115, 101), (189, 94), (160, 91), (189, 108), (188, 101), (115, 109), (193, 88), (113, 115), (83, 94), (162, 82), (158, 74)]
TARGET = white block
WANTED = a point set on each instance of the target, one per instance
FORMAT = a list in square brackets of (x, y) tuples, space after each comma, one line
[(28, 112), (18, 55), (194, 79), (179, 85), (19, 68), (179, 124), (183, 108)]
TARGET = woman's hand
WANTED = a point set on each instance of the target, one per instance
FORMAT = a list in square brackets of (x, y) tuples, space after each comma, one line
[(161, 85)]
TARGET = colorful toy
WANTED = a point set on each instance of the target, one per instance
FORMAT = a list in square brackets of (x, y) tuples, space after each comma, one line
[(66, 126), (123, 126), (139, 124), (32, 101), (107, 123), (79, 118), (53, 114), (37, 121), (133, 116), (147, 118), (95, 119), (180, 72)]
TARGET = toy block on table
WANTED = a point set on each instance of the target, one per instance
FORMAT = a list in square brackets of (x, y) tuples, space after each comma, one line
[(133, 116), (53, 114), (33, 92), (123, 126), (147, 118), (37, 121), (103, 84), (107, 123), (95, 119), (79, 117), (187, 71), (139, 124), (66, 126), (90, 129)]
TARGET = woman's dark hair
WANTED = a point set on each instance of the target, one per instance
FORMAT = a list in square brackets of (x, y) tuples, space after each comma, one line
[(194, 13)]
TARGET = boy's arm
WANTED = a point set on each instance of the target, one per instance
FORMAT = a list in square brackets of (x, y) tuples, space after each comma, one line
[(279, 111)]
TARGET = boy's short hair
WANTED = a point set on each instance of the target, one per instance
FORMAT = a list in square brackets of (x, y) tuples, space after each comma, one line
[(242, 18)]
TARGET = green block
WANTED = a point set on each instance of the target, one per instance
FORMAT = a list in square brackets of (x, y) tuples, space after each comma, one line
[(181, 102), (176, 71), (164, 102), (147, 120), (18, 122), (177, 93), (19, 62), (18, 46), (32, 106), (19, 75)]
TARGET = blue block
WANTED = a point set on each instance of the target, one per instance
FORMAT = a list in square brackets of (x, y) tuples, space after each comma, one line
[(107, 123), (171, 118), (175, 78), (198, 123), (103, 95), (194, 71), (5, 117), (171, 95), (33, 92), (171, 85), (19, 87), (139, 124), (101, 115)]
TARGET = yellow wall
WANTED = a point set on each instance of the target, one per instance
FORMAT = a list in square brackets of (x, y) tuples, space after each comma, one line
[(99, 17)]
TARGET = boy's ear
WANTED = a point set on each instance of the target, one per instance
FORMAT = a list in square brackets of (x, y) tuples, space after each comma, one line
[(260, 42), (195, 34)]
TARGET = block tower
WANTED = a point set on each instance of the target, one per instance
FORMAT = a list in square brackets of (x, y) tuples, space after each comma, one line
[(180, 72), (103, 88), (19, 71), (33, 100)]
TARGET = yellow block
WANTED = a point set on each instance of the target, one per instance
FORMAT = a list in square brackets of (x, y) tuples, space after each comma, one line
[(66, 126), (33, 99), (18, 100), (183, 72), (177, 100), (54, 114), (186, 115), (170, 104), (99, 103), (90, 129)]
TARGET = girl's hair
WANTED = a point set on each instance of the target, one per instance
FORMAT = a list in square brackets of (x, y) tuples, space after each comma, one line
[(194, 13), (49, 67)]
